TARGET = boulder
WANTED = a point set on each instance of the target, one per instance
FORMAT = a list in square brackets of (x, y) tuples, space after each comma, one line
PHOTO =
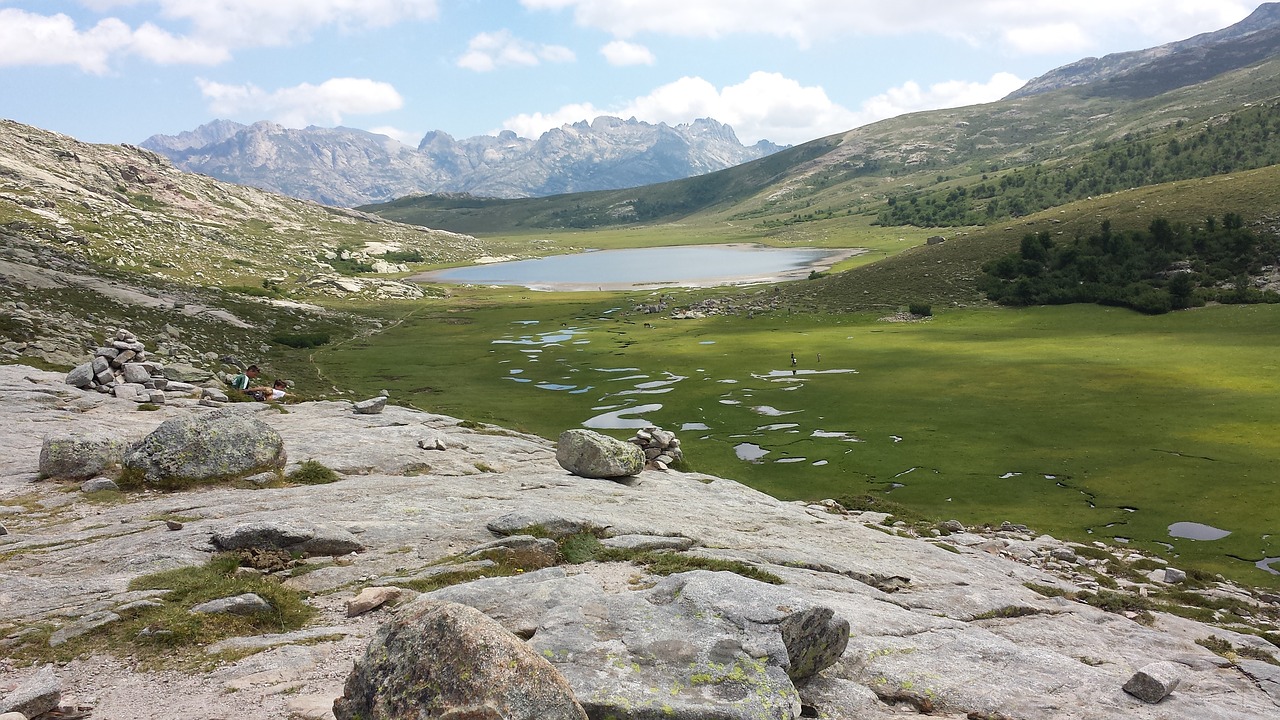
[(372, 598), (182, 372), (450, 660), (548, 524), (98, 484), (372, 406), (294, 538), (81, 376), (37, 696), (524, 550), (79, 457), (815, 640), (587, 453), (136, 373), (246, 604), (1173, 576), (1154, 682), (223, 444)]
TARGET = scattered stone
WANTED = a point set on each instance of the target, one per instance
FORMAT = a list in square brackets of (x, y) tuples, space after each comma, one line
[(372, 598), (37, 696), (589, 454), (82, 626), (79, 457), (815, 640), (1173, 576), (223, 444), (214, 394), (1154, 682), (372, 406), (305, 539), (951, 526), (450, 660), (246, 604), (434, 442), (99, 485), (173, 524), (661, 448), (3, 530)]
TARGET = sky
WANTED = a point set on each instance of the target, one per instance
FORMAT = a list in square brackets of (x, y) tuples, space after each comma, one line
[(787, 71)]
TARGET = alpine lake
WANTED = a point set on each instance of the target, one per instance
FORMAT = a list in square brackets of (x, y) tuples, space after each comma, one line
[(1084, 422)]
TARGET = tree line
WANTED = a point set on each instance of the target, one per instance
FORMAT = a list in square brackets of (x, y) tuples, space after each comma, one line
[(1168, 266)]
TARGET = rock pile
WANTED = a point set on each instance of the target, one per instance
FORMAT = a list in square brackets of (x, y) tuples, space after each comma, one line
[(661, 447), (123, 370)]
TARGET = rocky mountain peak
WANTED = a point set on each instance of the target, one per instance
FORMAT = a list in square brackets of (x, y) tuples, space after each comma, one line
[(347, 167), (1144, 73)]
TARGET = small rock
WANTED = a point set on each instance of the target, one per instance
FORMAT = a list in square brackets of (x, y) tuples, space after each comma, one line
[(372, 598), (36, 696), (372, 406), (173, 524), (1174, 576), (246, 604), (1154, 682), (3, 530), (952, 526), (98, 485)]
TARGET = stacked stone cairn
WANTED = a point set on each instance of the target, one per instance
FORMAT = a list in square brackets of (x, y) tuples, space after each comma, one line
[(661, 447), (123, 370)]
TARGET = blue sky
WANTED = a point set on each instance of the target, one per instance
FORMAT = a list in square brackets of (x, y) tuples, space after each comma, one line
[(786, 71)]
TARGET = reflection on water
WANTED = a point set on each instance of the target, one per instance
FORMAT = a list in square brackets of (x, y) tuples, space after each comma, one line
[(794, 373), (773, 411), (749, 452), (618, 420), (1197, 531), (778, 426)]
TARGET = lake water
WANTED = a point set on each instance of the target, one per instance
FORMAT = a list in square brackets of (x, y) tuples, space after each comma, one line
[(645, 268)]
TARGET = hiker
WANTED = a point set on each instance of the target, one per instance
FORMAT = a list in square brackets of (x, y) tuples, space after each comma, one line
[(279, 389), (793, 359), (241, 382)]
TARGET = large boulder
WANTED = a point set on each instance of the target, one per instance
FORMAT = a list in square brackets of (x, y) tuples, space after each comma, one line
[(224, 444), (697, 645), (448, 660), (79, 457), (587, 453), (37, 696)]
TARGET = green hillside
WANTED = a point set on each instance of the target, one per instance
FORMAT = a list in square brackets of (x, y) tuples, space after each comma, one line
[(962, 166)]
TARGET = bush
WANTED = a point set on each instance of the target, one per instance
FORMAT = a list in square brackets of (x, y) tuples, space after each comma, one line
[(920, 309), (313, 472), (302, 340)]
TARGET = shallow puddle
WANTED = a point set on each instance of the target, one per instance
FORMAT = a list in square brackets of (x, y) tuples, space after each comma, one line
[(618, 420), (1196, 531), (772, 411), (749, 452)]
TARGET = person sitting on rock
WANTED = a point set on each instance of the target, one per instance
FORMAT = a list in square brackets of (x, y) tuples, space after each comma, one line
[(279, 389), (241, 382)]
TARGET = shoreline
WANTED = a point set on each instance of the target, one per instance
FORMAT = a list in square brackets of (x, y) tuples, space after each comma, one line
[(835, 256)]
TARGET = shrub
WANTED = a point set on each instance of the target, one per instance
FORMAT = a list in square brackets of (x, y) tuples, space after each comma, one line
[(313, 472), (920, 309), (301, 341)]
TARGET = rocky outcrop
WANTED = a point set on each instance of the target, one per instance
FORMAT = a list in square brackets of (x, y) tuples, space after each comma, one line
[(590, 454), (224, 444), (451, 661), (301, 538), (982, 622), (347, 167)]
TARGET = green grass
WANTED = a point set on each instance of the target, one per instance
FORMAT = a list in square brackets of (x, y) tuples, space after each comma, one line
[(177, 637), (1095, 409)]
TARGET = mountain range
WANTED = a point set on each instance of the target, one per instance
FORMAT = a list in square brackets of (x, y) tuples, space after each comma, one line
[(345, 167)]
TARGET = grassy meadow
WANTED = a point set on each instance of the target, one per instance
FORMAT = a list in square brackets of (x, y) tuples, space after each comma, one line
[(1081, 421)]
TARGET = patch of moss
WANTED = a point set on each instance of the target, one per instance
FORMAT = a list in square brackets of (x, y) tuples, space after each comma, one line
[(313, 472)]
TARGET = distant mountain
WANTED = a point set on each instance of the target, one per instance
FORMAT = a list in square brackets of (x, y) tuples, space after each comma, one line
[(347, 167), (1150, 72)]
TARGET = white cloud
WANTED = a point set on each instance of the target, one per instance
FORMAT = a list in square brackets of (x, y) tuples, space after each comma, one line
[(305, 104), (1016, 25), (33, 39), (209, 29), (772, 107), (621, 53), (490, 51)]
